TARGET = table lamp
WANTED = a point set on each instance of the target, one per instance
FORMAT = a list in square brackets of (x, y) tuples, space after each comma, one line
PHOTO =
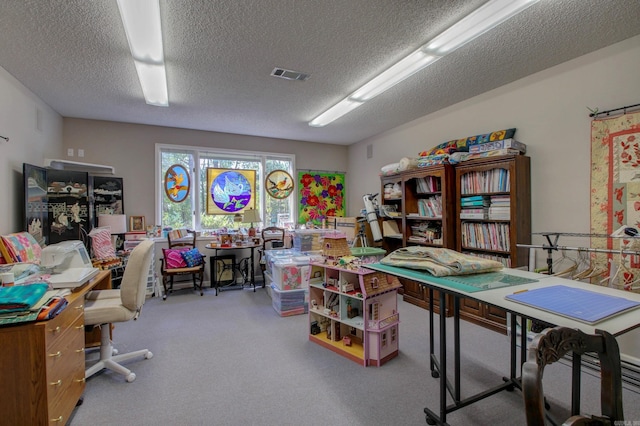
[(252, 216), (116, 222)]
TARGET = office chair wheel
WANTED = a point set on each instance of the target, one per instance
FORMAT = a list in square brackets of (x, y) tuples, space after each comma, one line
[(131, 377), (430, 421), (148, 355)]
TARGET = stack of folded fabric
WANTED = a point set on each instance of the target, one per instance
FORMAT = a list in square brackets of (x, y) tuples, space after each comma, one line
[(17, 303), (440, 262)]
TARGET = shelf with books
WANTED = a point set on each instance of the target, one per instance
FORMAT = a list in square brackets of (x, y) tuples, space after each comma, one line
[(428, 212), (426, 218), (493, 216)]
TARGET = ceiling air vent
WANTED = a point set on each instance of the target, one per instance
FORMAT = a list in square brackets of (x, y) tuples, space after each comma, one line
[(289, 74)]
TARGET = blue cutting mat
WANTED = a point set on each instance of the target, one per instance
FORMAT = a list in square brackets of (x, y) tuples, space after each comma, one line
[(576, 303)]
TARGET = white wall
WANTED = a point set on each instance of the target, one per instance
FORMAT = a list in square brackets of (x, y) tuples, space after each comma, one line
[(549, 110), (130, 148), (35, 133)]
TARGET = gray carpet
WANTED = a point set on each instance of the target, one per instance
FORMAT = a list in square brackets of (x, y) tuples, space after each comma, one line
[(232, 360)]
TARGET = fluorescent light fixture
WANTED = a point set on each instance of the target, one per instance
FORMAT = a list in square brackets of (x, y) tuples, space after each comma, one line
[(338, 110), (394, 75), (477, 23), (153, 80), (141, 19)]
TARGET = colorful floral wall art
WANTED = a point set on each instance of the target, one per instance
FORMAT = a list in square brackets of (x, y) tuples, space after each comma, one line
[(320, 194)]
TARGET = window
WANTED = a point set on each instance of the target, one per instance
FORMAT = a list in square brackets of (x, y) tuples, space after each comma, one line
[(191, 210)]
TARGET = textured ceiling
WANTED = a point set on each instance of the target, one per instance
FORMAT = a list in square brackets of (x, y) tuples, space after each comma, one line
[(74, 55)]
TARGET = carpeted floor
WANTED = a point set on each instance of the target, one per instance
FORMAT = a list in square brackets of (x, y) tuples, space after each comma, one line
[(232, 360)]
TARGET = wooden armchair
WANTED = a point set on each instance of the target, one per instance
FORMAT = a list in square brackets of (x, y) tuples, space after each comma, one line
[(272, 237), (551, 345), (174, 263)]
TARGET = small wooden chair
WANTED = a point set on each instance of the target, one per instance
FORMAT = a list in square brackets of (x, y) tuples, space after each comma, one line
[(272, 237), (181, 239), (550, 346)]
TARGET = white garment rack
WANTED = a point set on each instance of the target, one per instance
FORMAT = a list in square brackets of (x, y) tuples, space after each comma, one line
[(552, 239)]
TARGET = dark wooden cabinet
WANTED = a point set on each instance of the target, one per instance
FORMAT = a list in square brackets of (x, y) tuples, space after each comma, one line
[(496, 236), (424, 201), (504, 179)]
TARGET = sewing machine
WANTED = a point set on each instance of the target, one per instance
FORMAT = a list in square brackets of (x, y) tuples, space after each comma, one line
[(69, 263)]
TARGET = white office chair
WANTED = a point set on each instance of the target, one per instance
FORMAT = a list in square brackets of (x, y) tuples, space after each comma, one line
[(103, 307)]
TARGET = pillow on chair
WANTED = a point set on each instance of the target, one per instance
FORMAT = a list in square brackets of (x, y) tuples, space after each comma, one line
[(173, 258), (192, 258), (101, 243), (22, 247)]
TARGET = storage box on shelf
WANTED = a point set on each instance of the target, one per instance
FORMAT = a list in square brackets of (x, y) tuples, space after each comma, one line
[(353, 312)]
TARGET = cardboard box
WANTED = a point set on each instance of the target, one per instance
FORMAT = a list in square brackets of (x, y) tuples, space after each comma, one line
[(348, 225), (494, 145)]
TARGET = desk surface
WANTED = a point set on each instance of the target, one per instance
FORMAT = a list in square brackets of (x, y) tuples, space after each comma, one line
[(616, 325), (248, 246)]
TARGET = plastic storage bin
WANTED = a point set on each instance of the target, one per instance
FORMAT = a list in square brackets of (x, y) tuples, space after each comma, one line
[(291, 273), (270, 256), (289, 302)]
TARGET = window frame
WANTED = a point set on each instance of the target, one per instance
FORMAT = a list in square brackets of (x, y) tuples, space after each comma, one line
[(196, 152)]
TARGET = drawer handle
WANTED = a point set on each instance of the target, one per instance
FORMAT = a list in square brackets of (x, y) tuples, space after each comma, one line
[(80, 380), (55, 330), (80, 350), (58, 383), (56, 355), (59, 419), (80, 307), (78, 327)]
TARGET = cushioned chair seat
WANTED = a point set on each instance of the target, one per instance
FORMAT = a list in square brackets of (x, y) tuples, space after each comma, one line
[(103, 294), (104, 310)]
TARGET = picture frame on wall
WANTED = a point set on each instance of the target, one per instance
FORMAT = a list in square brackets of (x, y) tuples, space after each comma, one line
[(136, 224)]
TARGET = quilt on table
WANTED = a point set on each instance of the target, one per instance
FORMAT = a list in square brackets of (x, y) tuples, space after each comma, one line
[(440, 262)]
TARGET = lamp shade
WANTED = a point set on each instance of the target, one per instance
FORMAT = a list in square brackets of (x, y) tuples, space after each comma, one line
[(117, 222), (251, 216)]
